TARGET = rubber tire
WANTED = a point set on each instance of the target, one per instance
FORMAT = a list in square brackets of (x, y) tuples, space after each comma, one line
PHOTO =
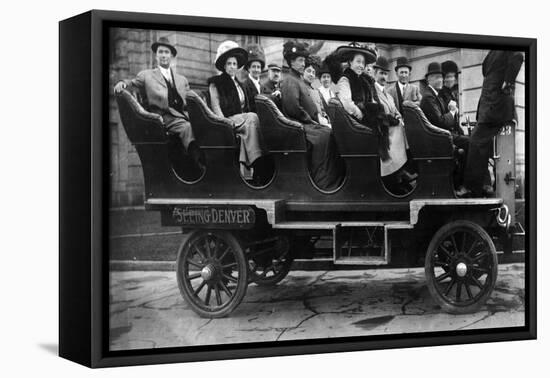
[(430, 279), (274, 280), (242, 265)]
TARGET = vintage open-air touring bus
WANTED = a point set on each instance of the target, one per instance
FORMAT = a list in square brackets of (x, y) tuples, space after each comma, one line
[(237, 233)]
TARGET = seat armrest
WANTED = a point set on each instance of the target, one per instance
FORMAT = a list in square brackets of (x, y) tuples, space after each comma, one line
[(279, 132), (432, 129), (137, 108), (209, 129), (284, 121), (141, 126), (425, 140), (352, 137), (208, 113)]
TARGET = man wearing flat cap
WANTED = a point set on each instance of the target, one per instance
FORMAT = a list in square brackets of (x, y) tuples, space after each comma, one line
[(402, 90), (326, 166), (271, 85), (163, 92), (255, 65)]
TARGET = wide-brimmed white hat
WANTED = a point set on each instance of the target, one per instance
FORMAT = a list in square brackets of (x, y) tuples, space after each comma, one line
[(227, 49)]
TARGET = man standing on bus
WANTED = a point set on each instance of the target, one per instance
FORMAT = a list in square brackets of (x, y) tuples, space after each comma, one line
[(496, 108)]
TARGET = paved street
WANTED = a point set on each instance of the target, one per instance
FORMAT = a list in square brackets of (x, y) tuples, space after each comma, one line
[(147, 310)]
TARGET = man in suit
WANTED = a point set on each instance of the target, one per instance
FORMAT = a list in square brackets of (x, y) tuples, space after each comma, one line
[(271, 85), (495, 109), (326, 166), (254, 66), (163, 92), (443, 115), (393, 169), (402, 90), (438, 113)]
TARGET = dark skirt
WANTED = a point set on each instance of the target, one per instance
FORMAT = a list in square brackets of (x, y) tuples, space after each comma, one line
[(326, 166)]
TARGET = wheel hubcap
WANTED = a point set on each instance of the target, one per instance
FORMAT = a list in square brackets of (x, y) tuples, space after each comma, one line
[(461, 269), (207, 272)]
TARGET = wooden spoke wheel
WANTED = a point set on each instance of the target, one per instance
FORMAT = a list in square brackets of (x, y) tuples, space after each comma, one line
[(212, 272), (270, 268), (461, 267)]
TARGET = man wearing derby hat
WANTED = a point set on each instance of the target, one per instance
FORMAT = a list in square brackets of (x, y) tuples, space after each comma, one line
[(326, 166), (443, 115), (402, 90), (255, 65), (163, 92), (438, 113)]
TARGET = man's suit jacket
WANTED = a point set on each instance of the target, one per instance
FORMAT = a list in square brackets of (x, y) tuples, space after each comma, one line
[(268, 87), (396, 139), (436, 111), (251, 92), (387, 101), (154, 90), (496, 106), (412, 93)]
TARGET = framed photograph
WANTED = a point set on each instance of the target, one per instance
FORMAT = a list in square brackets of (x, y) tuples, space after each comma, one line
[(235, 188)]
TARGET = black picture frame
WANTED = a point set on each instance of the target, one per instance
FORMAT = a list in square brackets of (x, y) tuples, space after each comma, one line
[(84, 155)]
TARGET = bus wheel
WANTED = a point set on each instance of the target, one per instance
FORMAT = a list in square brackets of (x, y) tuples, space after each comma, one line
[(461, 267), (212, 272), (270, 269)]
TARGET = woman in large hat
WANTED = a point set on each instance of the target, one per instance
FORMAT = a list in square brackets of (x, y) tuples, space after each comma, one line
[(229, 99), (354, 88), (326, 167), (360, 97)]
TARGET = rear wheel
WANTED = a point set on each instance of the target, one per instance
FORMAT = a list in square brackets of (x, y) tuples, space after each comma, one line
[(212, 272), (461, 267), (271, 267)]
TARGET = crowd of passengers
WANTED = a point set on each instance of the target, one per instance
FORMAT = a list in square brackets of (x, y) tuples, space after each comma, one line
[(356, 75)]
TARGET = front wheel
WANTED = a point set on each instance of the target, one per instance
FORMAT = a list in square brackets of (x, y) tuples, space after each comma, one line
[(461, 267), (212, 272)]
